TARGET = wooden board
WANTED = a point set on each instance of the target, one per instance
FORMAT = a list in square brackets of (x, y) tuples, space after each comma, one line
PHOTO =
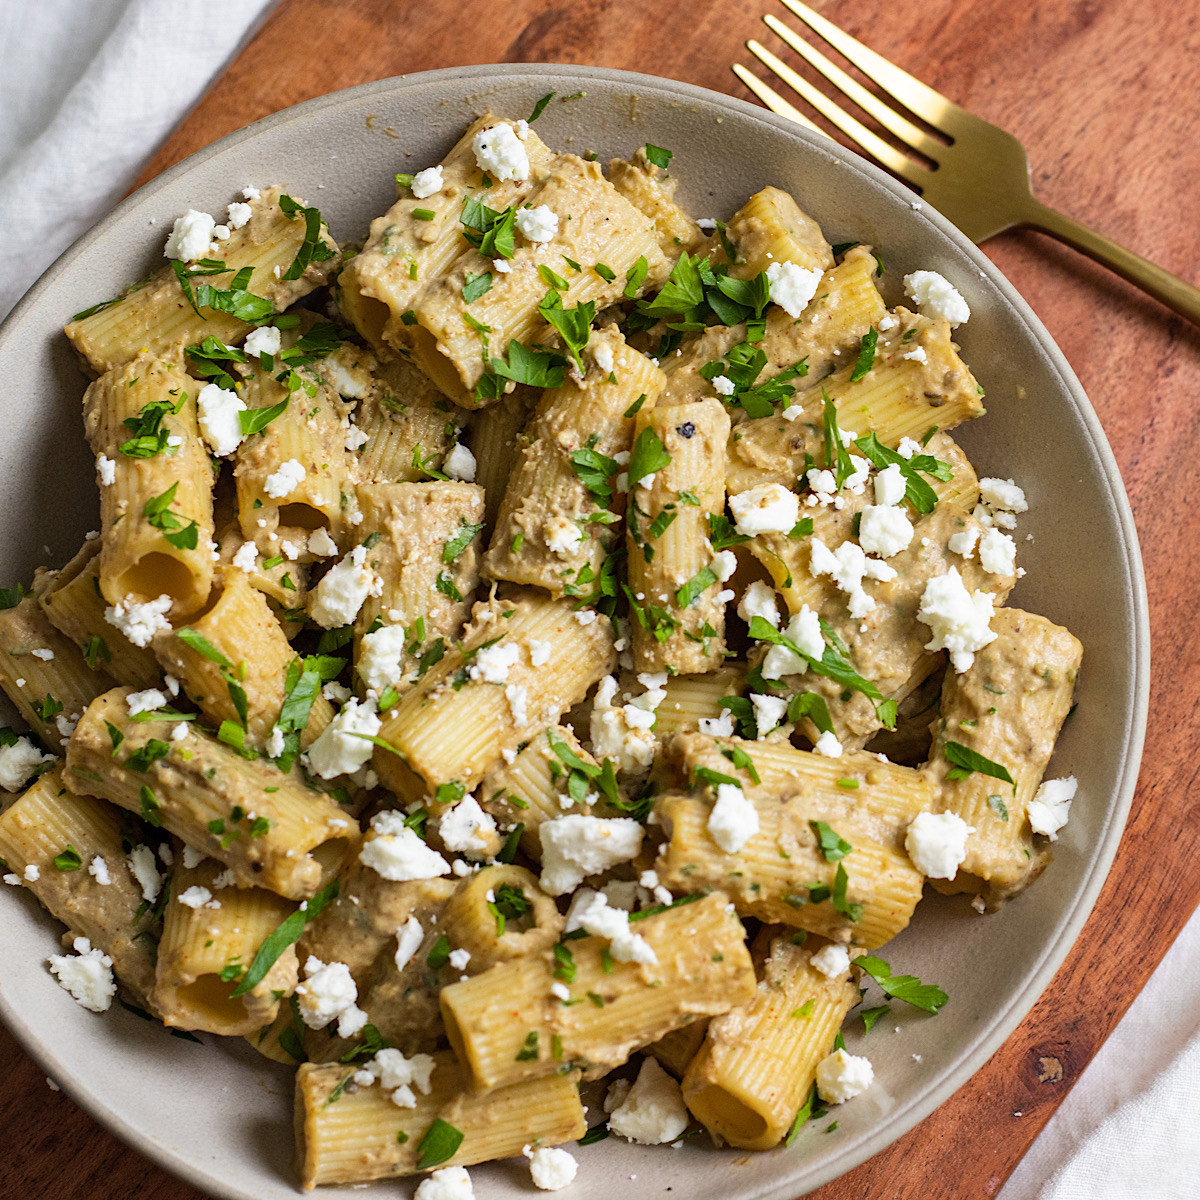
[(1103, 95)]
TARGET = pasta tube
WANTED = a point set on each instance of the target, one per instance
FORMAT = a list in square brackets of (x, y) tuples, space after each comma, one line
[(155, 487), (680, 607), (270, 829), (505, 1025)]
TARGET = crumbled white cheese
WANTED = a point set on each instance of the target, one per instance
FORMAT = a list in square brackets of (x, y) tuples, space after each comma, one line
[(517, 696), (191, 236), (428, 182), (466, 828), (450, 1183), (32, 873), (842, 1076), (147, 701), (143, 867), (409, 937), (849, 566), (908, 447), (1049, 809), (733, 820), (328, 993), (397, 853), (936, 296), (285, 480), (758, 600), (890, 485), (501, 266), (337, 750), (239, 214), (804, 630), (963, 542), (460, 463), (602, 356), (563, 536), (342, 590), (321, 544), (106, 470), (884, 529), (916, 355), (724, 564), (539, 652), (459, 958), (768, 712), (266, 339), (721, 726), (828, 746), (499, 152), (574, 847), (1003, 494), (767, 509), (246, 558), (380, 657), (959, 620), (551, 1168), (653, 1111), (98, 870), (493, 663), (997, 553), (591, 912), (537, 224), (821, 481), (630, 746), (937, 843), (140, 623), (217, 410), (723, 385), (18, 762), (86, 974), (831, 961), (792, 286), (194, 897)]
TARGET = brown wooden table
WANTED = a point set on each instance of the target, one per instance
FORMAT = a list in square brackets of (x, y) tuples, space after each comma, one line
[(1104, 95)]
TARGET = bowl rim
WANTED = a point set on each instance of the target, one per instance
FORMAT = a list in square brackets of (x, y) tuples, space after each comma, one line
[(924, 1099)]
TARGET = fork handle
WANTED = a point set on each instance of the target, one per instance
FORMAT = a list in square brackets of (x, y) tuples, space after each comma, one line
[(1170, 290)]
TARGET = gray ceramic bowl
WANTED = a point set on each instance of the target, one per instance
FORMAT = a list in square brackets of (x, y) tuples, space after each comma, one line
[(219, 1116)]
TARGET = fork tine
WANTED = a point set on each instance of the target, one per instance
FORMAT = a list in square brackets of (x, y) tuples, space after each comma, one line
[(850, 126), (919, 97), (903, 128), (773, 100)]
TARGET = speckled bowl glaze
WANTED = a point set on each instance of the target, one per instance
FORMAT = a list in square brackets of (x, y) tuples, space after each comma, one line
[(220, 1116)]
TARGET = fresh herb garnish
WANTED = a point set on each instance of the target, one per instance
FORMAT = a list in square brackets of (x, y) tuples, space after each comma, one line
[(965, 762), (908, 988)]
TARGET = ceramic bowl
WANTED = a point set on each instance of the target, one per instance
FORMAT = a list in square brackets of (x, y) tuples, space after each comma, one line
[(218, 1115)]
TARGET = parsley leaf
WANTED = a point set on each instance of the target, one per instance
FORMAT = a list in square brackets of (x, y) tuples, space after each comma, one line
[(658, 156), (690, 592), (157, 510), (284, 935), (908, 988), (540, 107), (492, 233), (312, 249), (833, 848), (866, 355), (594, 469), (649, 455), (573, 325), (475, 286), (461, 540), (965, 762), (441, 1142)]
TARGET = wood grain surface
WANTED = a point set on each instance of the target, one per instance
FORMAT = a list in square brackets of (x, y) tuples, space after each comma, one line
[(1104, 95)]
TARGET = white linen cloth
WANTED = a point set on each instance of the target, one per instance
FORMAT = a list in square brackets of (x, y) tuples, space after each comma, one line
[(90, 90)]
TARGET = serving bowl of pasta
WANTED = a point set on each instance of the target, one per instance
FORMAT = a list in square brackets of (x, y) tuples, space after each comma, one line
[(538, 660)]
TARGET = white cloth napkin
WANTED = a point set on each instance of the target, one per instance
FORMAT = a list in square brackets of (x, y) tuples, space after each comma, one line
[(90, 90), (1130, 1127)]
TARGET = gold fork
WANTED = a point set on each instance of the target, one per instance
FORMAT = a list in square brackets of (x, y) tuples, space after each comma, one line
[(979, 178)]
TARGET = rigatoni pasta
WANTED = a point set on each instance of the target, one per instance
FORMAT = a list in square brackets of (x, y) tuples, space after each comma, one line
[(596, 557)]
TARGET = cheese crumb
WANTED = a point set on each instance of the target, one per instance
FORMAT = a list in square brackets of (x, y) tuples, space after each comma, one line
[(768, 712), (397, 853), (338, 750), (450, 1183), (18, 762), (551, 1168), (493, 663), (147, 701), (1003, 494), (937, 843), (409, 937), (653, 1111), (724, 385), (959, 620), (195, 897), (140, 622), (591, 912), (792, 287), (466, 828), (758, 600), (428, 182), (733, 820), (239, 214), (576, 846), (217, 410), (285, 480), (499, 152), (884, 529), (936, 296), (1049, 809), (831, 961), (767, 509), (537, 224), (342, 591), (842, 1076), (86, 974), (563, 536), (191, 236), (890, 485), (828, 746), (98, 870), (460, 463), (106, 470)]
